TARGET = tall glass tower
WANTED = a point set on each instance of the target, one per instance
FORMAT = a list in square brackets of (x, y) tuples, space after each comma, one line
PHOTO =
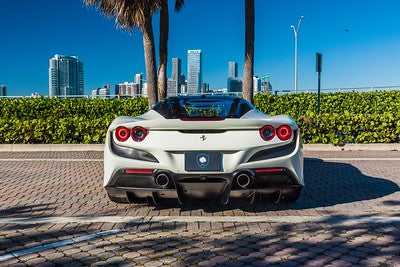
[(194, 72), (65, 76), (233, 69), (3, 90), (176, 74)]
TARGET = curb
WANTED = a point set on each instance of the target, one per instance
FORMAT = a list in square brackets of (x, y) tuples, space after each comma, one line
[(100, 147), (50, 147), (352, 147)]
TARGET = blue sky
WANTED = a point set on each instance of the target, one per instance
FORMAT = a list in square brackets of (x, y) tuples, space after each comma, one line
[(367, 55)]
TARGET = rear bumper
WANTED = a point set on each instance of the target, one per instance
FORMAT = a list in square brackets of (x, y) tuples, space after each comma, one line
[(221, 186)]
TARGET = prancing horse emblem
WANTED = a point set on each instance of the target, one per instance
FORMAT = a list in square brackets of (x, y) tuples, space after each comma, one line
[(203, 137)]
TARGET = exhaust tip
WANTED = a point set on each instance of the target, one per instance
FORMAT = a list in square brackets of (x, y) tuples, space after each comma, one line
[(243, 180), (162, 180)]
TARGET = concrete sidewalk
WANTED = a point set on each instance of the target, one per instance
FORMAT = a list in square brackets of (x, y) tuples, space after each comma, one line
[(100, 147)]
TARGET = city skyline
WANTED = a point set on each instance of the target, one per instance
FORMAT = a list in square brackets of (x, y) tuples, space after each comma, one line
[(358, 51)]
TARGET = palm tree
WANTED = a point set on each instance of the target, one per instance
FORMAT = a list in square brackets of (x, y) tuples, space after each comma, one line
[(163, 48), (136, 13), (249, 50)]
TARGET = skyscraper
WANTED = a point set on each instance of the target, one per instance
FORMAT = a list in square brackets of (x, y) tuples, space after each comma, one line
[(176, 69), (172, 89), (233, 69), (3, 90), (65, 76), (176, 75), (126, 89), (234, 85), (139, 81), (256, 84), (194, 72), (205, 88)]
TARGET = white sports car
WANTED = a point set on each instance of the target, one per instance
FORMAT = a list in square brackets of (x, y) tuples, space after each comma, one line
[(213, 146)]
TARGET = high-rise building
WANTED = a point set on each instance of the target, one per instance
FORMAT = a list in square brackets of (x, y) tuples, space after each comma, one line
[(101, 92), (104, 92), (176, 69), (205, 88), (256, 85), (65, 76), (234, 85), (194, 72), (176, 75), (266, 87), (95, 92), (182, 79), (139, 81), (3, 90), (126, 88), (144, 90), (172, 89), (233, 69)]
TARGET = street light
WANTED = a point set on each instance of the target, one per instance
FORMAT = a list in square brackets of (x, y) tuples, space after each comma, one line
[(296, 33)]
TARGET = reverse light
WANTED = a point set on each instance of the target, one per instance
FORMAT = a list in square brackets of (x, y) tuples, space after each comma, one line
[(267, 132), (284, 132), (122, 134), (138, 133)]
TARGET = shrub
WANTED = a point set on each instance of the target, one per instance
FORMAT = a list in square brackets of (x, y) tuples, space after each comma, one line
[(372, 117)]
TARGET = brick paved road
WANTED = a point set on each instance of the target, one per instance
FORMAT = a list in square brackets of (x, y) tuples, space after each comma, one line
[(346, 186)]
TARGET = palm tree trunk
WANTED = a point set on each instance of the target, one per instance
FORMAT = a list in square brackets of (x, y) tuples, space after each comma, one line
[(163, 50), (249, 51), (150, 62)]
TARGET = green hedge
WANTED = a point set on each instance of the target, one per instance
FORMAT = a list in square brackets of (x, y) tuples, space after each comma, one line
[(297, 105), (351, 117), (372, 117), (42, 120)]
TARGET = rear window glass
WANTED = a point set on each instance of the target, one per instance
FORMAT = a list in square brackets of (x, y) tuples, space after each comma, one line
[(202, 107)]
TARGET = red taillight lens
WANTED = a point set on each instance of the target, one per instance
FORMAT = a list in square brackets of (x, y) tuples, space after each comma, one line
[(122, 134), (269, 170), (139, 171), (139, 133), (284, 132), (267, 132)]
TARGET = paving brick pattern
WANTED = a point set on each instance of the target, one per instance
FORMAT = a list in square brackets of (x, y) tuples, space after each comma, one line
[(52, 155), (313, 244), (353, 189), (62, 188)]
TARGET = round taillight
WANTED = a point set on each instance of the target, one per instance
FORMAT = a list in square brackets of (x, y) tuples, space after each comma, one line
[(122, 134), (138, 133), (267, 132), (284, 132)]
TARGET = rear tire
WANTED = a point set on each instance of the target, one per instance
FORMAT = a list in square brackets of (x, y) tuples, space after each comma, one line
[(117, 199)]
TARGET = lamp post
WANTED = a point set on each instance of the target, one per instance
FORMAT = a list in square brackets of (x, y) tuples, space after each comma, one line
[(296, 34)]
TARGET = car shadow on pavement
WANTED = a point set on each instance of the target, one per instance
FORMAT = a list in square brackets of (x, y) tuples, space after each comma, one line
[(326, 184)]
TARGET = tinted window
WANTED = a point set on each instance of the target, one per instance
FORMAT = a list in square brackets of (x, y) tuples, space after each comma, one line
[(203, 107)]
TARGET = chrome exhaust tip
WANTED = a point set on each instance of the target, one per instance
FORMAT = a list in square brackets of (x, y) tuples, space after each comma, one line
[(162, 180), (243, 180)]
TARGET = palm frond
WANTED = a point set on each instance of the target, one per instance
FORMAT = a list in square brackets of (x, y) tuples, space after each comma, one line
[(127, 13), (179, 4)]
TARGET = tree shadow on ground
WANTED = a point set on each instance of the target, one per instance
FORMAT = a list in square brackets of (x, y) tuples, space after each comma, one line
[(340, 240), (326, 184), (26, 210)]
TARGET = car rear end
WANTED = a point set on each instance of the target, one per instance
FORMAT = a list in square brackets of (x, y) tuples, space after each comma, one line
[(203, 158)]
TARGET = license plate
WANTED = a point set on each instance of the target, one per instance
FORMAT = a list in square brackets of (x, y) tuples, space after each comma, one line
[(203, 161)]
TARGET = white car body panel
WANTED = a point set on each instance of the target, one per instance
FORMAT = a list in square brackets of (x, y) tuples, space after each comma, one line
[(238, 143)]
